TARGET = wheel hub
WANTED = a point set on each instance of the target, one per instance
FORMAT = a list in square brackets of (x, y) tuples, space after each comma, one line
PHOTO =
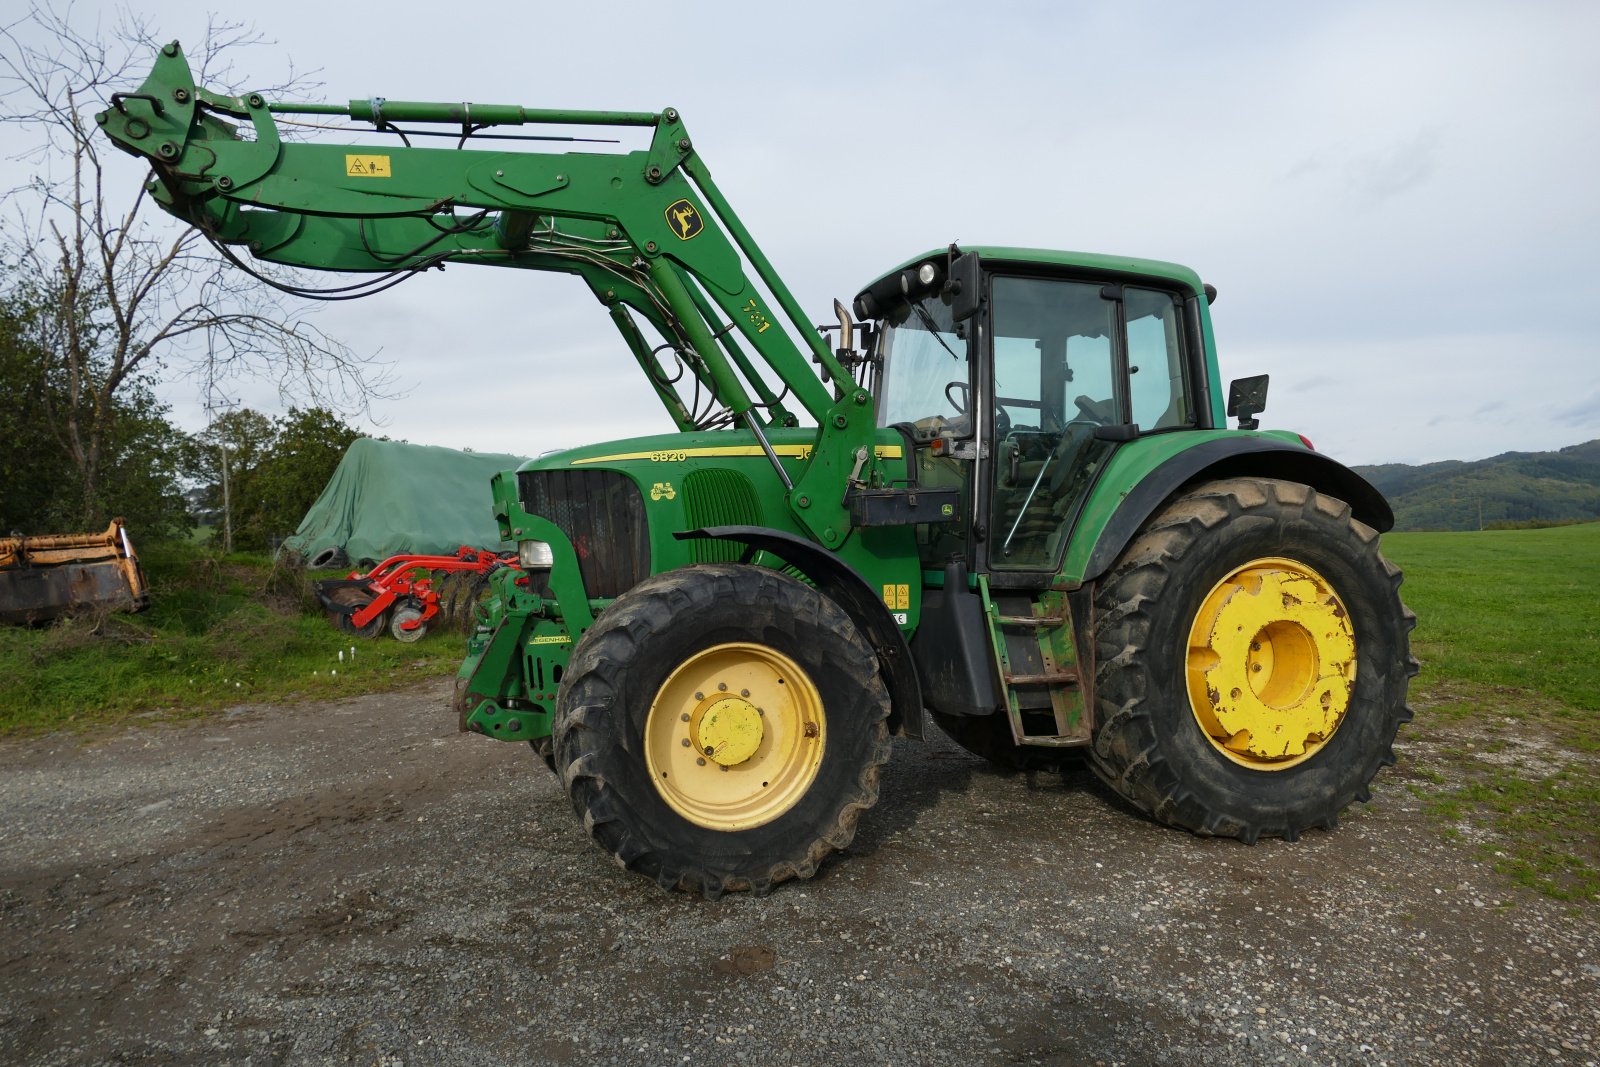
[(1272, 659), (735, 736), (727, 731)]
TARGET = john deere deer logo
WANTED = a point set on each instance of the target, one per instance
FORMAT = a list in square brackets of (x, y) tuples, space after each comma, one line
[(685, 219)]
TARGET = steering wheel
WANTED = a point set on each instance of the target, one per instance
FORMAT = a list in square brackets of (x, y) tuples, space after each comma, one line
[(1096, 411)]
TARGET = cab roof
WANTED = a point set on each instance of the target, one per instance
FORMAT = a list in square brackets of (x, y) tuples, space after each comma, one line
[(1051, 257)]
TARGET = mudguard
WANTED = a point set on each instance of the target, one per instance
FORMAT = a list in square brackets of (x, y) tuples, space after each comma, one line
[(842, 584), (1232, 457)]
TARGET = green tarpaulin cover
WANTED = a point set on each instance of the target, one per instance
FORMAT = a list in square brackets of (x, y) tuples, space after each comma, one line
[(388, 497)]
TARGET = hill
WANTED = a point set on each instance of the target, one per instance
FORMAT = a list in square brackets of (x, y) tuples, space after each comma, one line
[(1511, 489)]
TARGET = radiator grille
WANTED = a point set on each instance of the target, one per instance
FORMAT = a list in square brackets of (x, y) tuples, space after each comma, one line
[(718, 498), (603, 514)]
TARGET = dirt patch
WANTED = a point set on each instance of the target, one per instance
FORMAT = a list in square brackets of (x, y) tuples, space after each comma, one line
[(354, 882)]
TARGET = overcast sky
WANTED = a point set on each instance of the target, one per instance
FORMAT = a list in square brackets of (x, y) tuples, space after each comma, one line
[(1399, 203)]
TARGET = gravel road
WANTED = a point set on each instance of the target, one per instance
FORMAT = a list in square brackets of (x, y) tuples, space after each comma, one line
[(354, 882)]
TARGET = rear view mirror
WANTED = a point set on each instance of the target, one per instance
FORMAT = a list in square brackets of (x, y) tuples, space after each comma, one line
[(964, 287), (1247, 397)]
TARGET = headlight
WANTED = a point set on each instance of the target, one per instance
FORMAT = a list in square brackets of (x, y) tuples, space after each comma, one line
[(535, 554)]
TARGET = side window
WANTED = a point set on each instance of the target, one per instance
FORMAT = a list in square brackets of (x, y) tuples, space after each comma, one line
[(1157, 382), (1016, 381)]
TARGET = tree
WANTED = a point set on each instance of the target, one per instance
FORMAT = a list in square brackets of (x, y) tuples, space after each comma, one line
[(120, 293), (143, 454), (29, 475), (227, 457), (275, 469), (309, 445)]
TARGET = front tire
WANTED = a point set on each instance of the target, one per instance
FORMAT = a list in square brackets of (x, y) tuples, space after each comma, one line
[(1253, 659), (722, 727)]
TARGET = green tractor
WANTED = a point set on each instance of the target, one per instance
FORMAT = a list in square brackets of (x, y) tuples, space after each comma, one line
[(1002, 493)]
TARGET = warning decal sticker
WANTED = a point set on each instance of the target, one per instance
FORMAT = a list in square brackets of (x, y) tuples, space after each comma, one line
[(367, 167)]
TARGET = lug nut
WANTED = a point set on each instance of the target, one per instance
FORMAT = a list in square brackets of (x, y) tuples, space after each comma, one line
[(684, 717), (685, 742), (744, 692), (701, 762)]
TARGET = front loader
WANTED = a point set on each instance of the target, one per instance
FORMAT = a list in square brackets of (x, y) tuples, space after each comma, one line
[(1002, 494)]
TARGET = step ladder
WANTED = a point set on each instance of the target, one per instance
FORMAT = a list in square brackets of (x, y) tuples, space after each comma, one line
[(1037, 662)]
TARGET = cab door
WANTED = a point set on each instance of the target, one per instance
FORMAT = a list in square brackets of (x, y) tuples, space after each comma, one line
[(1074, 367)]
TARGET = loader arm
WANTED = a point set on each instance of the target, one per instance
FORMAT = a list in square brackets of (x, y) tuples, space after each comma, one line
[(648, 231)]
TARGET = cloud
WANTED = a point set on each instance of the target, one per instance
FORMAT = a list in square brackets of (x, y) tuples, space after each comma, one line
[(1380, 175), (1585, 412)]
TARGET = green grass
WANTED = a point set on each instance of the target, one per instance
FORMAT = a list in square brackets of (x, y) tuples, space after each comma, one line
[(219, 632), (1508, 702)]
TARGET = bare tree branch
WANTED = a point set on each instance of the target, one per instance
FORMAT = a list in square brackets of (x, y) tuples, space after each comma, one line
[(129, 295)]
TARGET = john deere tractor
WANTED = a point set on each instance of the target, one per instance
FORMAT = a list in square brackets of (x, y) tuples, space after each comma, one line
[(1000, 491)]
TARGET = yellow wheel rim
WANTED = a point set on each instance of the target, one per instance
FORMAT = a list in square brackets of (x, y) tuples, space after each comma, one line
[(1272, 659), (735, 736)]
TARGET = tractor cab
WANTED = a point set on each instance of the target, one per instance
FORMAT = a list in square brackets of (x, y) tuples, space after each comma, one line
[(1018, 381)]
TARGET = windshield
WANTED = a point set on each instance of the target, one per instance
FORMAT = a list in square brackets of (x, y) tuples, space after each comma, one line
[(924, 366)]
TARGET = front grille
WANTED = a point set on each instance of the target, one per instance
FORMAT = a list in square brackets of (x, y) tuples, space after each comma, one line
[(602, 513), (718, 498)]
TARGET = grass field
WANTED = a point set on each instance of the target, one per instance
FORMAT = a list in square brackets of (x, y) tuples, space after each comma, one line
[(218, 632), (1507, 733)]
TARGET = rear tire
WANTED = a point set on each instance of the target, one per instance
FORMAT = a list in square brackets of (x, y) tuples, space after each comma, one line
[(1171, 652), (792, 745)]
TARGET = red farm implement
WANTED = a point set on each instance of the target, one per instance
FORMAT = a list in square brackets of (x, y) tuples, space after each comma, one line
[(401, 592)]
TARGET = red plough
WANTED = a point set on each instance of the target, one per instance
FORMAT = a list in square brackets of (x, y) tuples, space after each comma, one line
[(399, 592)]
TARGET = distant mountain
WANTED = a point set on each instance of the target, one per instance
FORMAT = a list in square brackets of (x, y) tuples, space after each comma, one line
[(1514, 488)]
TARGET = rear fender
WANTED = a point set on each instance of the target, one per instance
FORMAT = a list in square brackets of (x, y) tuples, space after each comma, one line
[(844, 586), (1233, 457)]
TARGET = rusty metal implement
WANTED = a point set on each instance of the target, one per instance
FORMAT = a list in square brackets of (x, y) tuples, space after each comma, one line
[(51, 575)]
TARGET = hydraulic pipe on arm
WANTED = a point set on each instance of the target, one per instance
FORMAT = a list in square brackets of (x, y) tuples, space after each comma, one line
[(642, 352), (640, 217), (779, 415)]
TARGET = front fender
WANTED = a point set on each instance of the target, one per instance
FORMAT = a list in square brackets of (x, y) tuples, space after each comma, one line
[(840, 583)]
